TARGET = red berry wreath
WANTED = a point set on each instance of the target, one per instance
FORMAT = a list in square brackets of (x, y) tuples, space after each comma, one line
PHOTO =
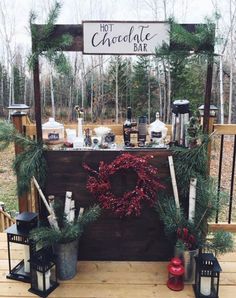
[(146, 188)]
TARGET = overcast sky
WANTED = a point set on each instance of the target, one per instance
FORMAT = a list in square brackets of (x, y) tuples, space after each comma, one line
[(73, 11)]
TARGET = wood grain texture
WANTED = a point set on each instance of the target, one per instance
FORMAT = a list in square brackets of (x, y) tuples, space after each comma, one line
[(111, 238), (109, 279), (225, 129)]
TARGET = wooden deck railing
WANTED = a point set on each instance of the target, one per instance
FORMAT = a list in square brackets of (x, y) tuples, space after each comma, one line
[(5, 220), (221, 131), (30, 129)]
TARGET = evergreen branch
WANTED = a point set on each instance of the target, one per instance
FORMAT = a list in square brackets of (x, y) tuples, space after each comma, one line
[(44, 45), (221, 243), (68, 231), (184, 41), (30, 162), (27, 164), (202, 218), (90, 215), (52, 18)]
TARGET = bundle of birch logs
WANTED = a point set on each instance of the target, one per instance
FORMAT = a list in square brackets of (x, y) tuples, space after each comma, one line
[(192, 192), (69, 208)]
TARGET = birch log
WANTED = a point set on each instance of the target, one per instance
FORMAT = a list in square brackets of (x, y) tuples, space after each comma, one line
[(42, 196), (192, 199), (51, 199), (67, 202), (71, 214), (174, 184), (53, 222), (81, 211)]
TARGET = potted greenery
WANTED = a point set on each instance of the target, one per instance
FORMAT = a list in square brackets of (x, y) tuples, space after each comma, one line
[(187, 226), (64, 238)]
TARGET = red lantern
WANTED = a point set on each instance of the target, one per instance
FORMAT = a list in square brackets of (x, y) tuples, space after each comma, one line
[(175, 275)]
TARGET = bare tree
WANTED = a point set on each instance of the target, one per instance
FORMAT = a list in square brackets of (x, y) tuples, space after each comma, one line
[(117, 93), (7, 31), (52, 93), (231, 62)]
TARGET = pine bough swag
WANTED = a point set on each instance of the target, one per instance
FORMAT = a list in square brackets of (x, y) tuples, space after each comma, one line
[(30, 162), (130, 203)]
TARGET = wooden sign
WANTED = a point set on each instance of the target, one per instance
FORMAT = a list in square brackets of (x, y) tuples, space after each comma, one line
[(129, 38)]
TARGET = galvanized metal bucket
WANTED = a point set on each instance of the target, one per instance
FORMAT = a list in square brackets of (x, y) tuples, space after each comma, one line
[(66, 259), (188, 259)]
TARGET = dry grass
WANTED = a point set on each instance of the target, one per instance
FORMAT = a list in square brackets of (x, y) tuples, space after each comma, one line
[(8, 180)]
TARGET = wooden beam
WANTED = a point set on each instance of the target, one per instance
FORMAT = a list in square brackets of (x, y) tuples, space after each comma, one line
[(76, 31), (19, 122), (30, 129), (225, 129), (37, 100), (222, 226), (207, 98)]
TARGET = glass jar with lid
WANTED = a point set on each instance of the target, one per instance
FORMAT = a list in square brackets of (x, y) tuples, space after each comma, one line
[(53, 131)]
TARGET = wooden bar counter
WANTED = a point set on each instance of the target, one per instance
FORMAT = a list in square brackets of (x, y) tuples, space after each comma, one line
[(111, 238)]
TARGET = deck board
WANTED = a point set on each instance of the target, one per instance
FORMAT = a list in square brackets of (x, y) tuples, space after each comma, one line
[(109, 279)]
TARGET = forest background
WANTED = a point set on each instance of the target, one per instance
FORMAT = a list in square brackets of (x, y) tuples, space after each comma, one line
[(97, 83)]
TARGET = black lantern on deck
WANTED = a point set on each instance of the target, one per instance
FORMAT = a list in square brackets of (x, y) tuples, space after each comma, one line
[(207, 276), (21, 271), (43, 272)]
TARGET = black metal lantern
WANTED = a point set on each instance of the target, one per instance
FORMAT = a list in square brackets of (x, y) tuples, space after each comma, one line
[(207, 276), (213, 110), (22, 270), (43, 272), (19, 109)]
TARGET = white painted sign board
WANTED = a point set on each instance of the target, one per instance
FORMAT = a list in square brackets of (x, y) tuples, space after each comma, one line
[(127, 38)]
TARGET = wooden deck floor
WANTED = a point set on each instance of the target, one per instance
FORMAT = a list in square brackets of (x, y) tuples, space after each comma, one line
[(115, 279)]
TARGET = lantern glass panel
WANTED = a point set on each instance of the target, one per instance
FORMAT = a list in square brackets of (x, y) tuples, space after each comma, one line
[(21, 271), (205, 285), (43, 271), (207, 276), (175, 283)]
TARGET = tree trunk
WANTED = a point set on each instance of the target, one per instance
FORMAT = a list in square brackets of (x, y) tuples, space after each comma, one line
[(231, 65), (53, 113), (165, 93), (91, 97), (221, 92), (149, 98), (160, 93), (169, 93), (70, 104), (117, 93)]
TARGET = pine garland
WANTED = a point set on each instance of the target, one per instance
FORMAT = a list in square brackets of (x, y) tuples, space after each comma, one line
[(68, 231), (30, 162), (185, 43), (45, 46), (191, 163)]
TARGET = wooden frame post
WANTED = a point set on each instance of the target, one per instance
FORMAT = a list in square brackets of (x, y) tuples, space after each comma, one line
[(19, 120), (207, 98), (37, 100)]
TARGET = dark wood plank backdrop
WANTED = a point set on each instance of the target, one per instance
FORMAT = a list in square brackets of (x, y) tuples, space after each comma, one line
[(111, 238)]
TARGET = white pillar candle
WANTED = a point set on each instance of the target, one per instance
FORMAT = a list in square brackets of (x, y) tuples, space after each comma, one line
[(205, 288), (26, 259), (40, 280)]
